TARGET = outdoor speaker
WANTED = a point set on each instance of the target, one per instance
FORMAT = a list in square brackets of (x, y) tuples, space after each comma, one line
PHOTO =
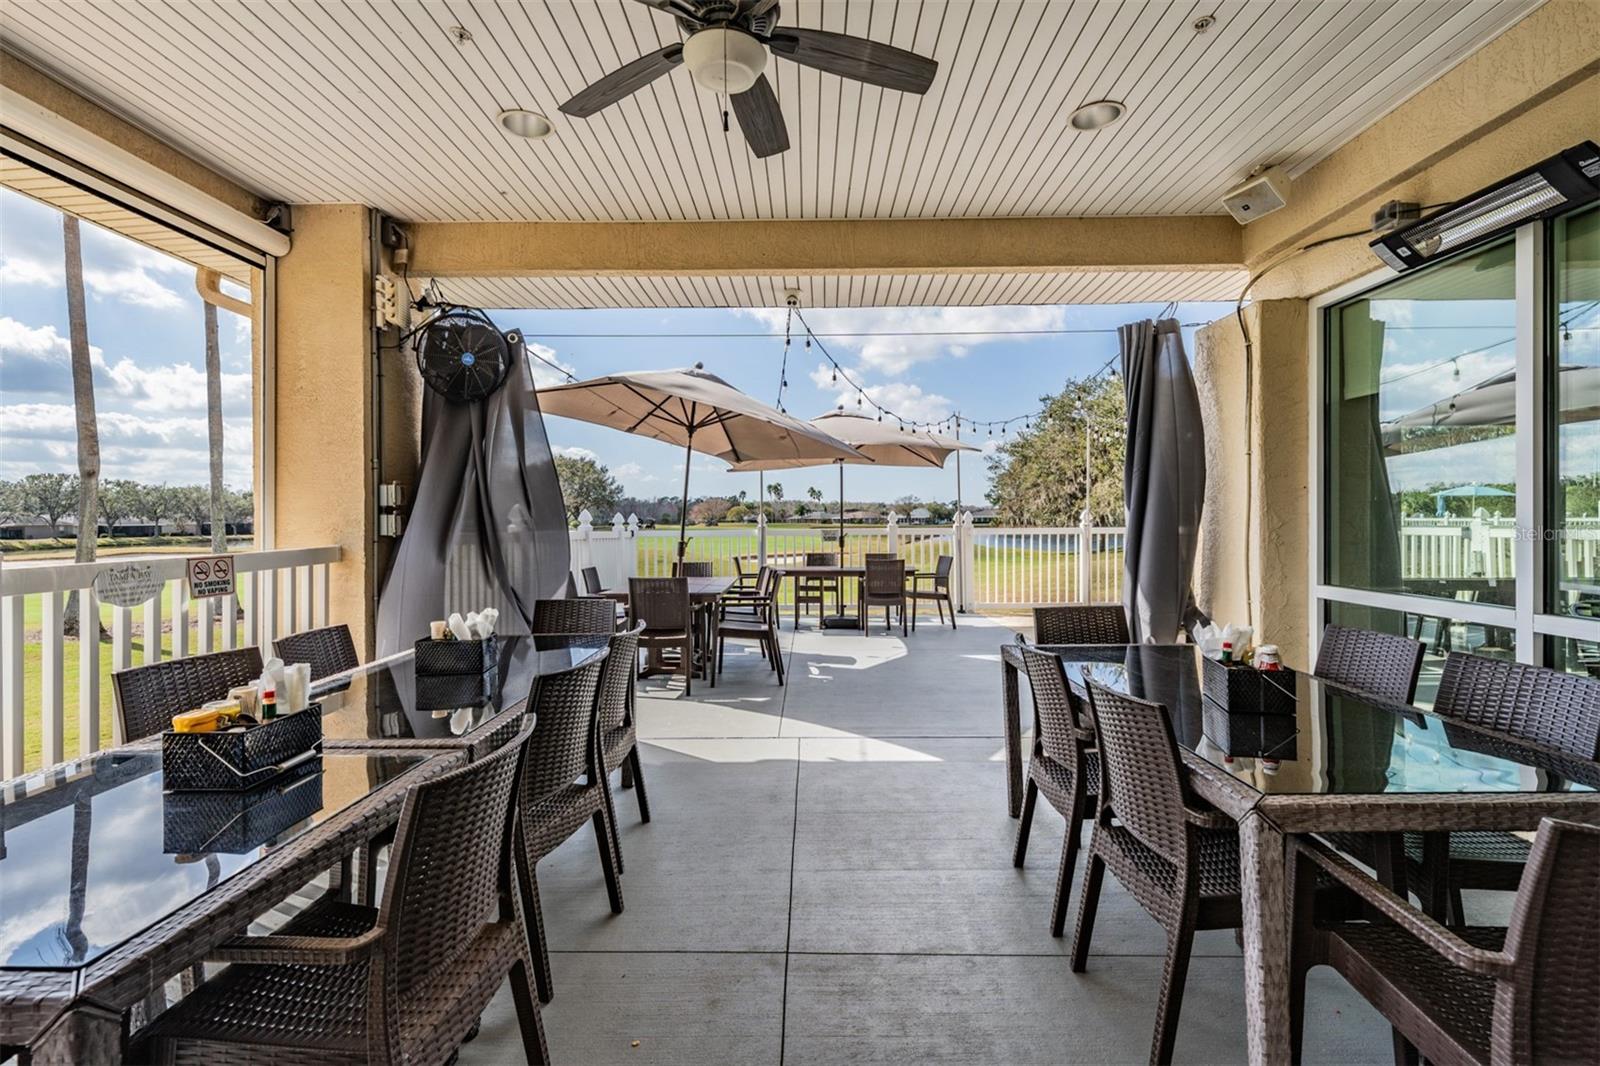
[(1261, 194)]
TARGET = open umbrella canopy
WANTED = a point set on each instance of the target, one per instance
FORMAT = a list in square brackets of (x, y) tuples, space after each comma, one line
[(875, 441), (697, 410)]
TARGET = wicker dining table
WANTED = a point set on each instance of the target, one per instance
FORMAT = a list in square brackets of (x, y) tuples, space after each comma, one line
[(840, 571), (111, 886), (384, 705), (1342, 761)]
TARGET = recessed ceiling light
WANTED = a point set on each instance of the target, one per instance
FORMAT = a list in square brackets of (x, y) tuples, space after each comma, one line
[(1097, 115), (529, 124)]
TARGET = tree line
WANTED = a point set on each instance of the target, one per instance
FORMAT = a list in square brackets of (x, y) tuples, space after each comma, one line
[(119, 501)]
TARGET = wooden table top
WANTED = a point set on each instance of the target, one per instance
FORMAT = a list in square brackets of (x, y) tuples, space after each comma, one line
[(700, 588)]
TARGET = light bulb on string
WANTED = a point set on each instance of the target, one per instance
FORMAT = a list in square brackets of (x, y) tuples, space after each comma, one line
[(836, 375)]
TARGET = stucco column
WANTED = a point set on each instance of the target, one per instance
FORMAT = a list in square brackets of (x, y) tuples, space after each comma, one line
[(1278, 539), (324, 406)]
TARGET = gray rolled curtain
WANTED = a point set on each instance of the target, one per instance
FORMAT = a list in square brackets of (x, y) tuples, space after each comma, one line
[(487, 527), (1164, 481)]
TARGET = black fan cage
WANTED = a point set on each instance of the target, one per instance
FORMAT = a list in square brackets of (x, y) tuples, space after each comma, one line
[(462, 355)]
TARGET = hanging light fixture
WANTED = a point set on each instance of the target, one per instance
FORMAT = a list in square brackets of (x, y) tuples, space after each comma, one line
[(1565, 180)]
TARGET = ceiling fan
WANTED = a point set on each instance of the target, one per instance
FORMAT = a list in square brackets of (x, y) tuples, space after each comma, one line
[(726, 47)]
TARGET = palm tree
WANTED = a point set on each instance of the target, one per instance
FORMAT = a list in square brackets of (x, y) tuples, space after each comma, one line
[(219, 515), (83, 402)]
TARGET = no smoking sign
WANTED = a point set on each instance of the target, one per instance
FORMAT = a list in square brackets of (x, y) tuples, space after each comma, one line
[(209, 575)]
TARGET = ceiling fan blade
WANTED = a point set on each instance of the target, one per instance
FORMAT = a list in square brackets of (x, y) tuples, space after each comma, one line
[(761, 119), (624, 81), (855, 57)]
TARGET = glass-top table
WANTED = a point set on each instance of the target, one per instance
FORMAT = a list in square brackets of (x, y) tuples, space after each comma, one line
[(94, 852), (384, 704), (1339, 741)]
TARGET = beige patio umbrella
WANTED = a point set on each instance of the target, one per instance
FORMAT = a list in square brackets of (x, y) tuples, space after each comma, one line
[(875, 442), (699, 411)]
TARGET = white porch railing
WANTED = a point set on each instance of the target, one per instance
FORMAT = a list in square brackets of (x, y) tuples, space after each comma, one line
[(995, 567), (1484, 547), (279, 592)]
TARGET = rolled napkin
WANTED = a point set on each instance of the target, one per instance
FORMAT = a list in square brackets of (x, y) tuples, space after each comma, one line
[(458, 626), (297, 680)]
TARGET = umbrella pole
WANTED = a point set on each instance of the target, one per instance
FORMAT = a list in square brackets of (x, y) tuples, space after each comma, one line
[(841, 513), (841, 620), (683, 509)]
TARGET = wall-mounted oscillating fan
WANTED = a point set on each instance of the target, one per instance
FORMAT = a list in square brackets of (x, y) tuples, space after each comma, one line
[(461, 355)]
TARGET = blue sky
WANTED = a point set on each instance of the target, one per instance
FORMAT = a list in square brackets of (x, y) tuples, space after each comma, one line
[(147, 339), (928, 377)]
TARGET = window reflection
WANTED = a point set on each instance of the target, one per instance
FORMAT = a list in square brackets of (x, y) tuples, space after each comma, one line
[(1573, 545), (1421, 450), (1440, 635)]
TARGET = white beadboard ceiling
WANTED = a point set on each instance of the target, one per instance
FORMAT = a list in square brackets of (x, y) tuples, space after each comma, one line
[(374, 101)]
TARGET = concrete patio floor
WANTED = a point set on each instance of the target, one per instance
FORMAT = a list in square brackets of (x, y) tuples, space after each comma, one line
[(828, 878)]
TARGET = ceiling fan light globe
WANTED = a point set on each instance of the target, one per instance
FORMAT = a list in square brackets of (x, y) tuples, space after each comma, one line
[(724, 60)]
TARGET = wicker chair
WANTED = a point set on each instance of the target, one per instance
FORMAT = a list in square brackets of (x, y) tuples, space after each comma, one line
[(404, 982), (580, 614), (619, 735), (690, 568), (1081, 623), (1379, 663), (939, 593), (591, 581), (884, 586), (1063, 766), (329, 650), (812, 589), (1522, 994), (553, 802), (662, 605), (148, 696), (1179, 859), (762, 626)]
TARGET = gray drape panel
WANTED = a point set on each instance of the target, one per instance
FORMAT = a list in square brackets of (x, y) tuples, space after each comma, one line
[(1164, 481), (487, 527)]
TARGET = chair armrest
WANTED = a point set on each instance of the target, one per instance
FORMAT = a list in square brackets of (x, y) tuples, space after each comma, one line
[(1432, 934), (1206, 819), (298, 950)]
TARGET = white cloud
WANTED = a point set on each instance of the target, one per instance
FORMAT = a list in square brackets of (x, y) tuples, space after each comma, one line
[(545, 375), (634, 474), (905, 399), (174, 387), (132, 285), (924, 333), (17, 270), (572, 452), (41, 342)]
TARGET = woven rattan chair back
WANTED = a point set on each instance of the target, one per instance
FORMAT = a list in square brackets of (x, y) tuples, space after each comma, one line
[(1547, 1011), (885, 577), (1141, 779), (448, 872), (1531, 702), (1053, 704), (329, 650), (148, 696), (616, 680), (579, 614), (822, 558), (564, 734), (591, 581), (1081, 623), (661, 603), (1380, 663), (691, 569), (941, 571)]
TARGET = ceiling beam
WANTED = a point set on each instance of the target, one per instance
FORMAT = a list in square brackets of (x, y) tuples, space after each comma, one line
[(824, 246)]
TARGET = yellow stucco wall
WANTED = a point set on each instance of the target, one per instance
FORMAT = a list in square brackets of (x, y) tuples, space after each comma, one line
[(325, 482)]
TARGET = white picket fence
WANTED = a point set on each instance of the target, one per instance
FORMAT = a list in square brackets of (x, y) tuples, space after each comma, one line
[(279, 592), (994, 567)]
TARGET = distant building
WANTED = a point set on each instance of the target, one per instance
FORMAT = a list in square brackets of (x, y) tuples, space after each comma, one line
[(919, 516), (984, 516)]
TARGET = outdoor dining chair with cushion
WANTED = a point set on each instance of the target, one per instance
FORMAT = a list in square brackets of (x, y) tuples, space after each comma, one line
[(814, 589), (939, 592), (760, 626), (593, 615), (1176, 856), (661, 604), (1379, 663), (1525, 993), (884, 586), (563, 786), (1081, 623), (329, 650), (402, 982), (1063, 766), (591, 581), (148, 696)]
